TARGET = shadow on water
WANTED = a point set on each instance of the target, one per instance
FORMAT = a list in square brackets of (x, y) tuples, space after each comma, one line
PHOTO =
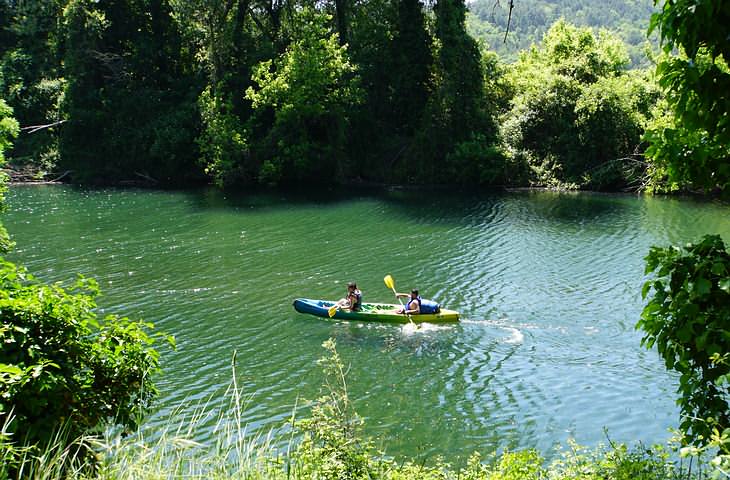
[(268, 200), (444, 206), (575, 207), (471, 207)]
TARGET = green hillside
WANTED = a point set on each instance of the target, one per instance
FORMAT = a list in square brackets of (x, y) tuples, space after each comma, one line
[(487, 21)]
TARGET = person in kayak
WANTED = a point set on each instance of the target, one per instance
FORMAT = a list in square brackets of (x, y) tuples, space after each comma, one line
[(353, 299), (413, 307), (417, 305)]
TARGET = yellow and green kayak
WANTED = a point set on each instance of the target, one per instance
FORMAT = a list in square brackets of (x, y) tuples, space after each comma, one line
[(372, 312)]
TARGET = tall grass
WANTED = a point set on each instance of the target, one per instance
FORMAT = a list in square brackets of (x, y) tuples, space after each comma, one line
[(326, 445)]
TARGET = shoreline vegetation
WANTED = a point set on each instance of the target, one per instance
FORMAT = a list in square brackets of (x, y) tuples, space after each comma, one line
[(238, 95), (327, 443)]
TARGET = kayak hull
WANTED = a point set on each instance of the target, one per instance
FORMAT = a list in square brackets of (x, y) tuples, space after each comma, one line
[(372, 312)]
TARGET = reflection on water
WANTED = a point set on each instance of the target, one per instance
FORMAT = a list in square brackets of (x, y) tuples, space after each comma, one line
[(548, 286)]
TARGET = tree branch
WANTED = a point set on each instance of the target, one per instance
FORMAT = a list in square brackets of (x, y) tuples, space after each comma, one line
[(35, 128), (509, 19)]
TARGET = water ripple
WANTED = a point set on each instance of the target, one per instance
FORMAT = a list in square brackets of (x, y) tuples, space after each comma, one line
[(547, 285)]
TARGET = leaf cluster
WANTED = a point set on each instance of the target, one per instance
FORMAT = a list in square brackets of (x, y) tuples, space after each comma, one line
[(61, 365), (691, 151), (687, 318)]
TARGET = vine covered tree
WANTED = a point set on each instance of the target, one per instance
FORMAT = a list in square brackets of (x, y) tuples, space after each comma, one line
[(457, 111)]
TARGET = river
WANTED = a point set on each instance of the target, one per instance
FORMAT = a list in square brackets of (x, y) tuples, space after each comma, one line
[(548, 285)]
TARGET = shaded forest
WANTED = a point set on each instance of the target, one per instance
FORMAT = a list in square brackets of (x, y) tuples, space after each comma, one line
[(288, 92)]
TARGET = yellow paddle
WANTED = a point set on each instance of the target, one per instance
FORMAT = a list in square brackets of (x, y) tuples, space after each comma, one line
[(333, 309), (390, 283)]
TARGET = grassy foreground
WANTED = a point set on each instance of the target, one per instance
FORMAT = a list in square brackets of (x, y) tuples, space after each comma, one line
[(326, 445)]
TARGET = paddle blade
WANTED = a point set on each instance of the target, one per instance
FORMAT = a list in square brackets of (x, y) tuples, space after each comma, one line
[(389, 282), (332, 310)]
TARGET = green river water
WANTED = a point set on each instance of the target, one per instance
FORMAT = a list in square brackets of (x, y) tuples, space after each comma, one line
[(548, 286)]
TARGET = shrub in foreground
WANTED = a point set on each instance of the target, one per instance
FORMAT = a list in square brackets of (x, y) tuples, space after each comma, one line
[(63, 368)]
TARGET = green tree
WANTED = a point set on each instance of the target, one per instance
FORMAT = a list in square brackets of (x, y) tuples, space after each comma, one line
[(577, 111), (128, 91), (9, 129), (30, 75), (310, 89), (227, 38), (687, 318), (692, 149)]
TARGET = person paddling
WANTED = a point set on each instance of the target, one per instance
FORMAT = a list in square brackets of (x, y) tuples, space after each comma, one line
[(417, 305), (413, 307), (353, 299)]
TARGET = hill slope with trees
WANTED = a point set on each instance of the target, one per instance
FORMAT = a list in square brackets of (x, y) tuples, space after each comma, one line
[(488, 19)]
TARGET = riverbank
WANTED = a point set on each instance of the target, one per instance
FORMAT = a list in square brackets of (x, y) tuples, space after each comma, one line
[(327, 444)]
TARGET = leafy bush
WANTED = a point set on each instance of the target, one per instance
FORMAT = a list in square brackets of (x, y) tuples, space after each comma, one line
[(477, 161), (687, 317), (691, 151), (60, 365)]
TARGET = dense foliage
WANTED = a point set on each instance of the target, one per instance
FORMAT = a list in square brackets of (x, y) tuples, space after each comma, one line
[(578, 115), (690, 147), (285, 92), (61, 365), (687, 317)]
